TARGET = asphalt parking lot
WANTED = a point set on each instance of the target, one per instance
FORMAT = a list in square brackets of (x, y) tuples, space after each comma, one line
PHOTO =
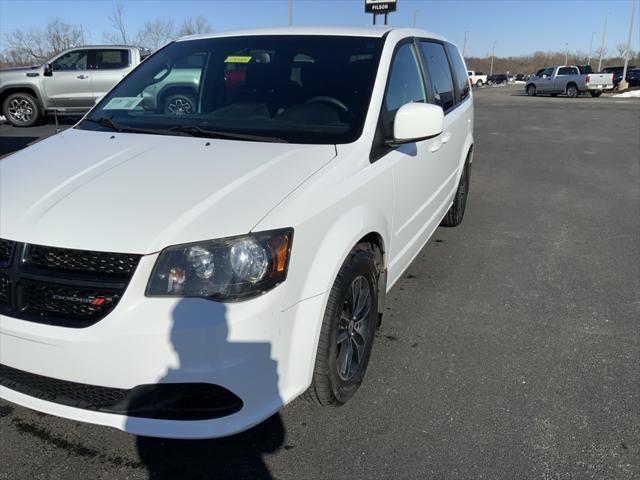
[(510, 349)]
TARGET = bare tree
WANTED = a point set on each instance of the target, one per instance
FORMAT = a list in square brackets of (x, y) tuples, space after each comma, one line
[(155, 34), (191, 26), (117, 22), (60, 35), (621, 48), (35, 45)]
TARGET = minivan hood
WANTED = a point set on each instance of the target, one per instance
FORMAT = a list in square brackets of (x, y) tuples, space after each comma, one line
[(139, 193)]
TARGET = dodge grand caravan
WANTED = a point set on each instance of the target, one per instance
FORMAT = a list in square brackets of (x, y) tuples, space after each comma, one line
[(187, 272)]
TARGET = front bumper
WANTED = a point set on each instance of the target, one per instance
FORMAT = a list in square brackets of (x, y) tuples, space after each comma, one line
[(259, 350)]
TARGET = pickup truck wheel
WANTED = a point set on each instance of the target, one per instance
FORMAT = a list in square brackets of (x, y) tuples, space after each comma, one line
[(489, 82), (21, 110), (572, 91), (596, 93), (479, 83), (454, 216), (531, 90), (179, 104), (348, 330)]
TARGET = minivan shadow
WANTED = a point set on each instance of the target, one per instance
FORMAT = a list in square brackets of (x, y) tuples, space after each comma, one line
[(199, 334)]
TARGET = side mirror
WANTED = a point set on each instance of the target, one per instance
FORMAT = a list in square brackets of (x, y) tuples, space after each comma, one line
[(417, 121), (48, 70)]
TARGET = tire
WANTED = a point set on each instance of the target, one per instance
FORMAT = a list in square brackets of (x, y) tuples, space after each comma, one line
[(454, 216), (21, 110), (479, 83), (335, 377), (572, 91), (596, 94), (489, 82), (531, 90), (179, 104)]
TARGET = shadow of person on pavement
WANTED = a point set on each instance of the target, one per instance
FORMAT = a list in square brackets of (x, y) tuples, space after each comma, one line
[(197, 344)]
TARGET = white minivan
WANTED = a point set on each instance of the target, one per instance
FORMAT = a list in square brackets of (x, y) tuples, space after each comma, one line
[(187, 272)]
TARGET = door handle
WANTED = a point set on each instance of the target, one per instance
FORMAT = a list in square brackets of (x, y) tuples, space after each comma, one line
[(82, 77), (446, 137)]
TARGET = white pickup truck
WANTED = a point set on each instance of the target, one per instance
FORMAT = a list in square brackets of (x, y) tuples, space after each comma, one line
[(568, 80), (476, 78)]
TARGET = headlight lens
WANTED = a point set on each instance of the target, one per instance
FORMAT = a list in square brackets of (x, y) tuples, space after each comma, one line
[(229, 269)]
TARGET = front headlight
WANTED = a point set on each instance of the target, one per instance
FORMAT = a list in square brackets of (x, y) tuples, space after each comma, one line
[(229, 269)]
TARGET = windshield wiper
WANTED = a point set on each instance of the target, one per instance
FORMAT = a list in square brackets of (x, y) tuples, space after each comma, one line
[(106, 122), (201, 132), (192, 131)]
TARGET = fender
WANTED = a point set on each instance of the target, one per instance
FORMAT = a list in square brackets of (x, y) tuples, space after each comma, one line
[(338, 242), (24, 86)]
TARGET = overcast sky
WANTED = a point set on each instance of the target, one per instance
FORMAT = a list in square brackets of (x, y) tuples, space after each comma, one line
[(518, 27)]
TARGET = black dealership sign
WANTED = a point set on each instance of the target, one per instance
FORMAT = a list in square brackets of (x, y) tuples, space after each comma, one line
[(379, 6)]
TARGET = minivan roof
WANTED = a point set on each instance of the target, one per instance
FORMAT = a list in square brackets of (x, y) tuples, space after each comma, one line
[(371, 31)]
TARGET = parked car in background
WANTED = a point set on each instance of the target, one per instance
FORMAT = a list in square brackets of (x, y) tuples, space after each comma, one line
[(497, 79), (477, 78), (568, 80), (187, 275), (633, 77), (70, 81), (520, 77), (617, 74)]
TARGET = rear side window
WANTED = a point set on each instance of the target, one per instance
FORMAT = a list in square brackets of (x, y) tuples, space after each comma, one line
[(462, 81), (439, 73), (567, 71), (111, 59)]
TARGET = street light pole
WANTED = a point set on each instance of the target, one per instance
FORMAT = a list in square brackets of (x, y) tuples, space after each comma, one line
[(493, 53), (415, 16), (290, 12), (623, 85), (604, 34), (593, 34), (464, 45), (566, 53)]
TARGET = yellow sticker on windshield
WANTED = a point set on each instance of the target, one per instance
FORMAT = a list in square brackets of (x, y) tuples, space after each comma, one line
[(237, 59)]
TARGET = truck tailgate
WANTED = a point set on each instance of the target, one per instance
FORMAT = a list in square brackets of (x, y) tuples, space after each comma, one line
[(600, 80)]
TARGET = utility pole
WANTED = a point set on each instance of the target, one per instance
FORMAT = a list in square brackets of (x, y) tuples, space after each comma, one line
[(493, 54), (415, 16), (593, 34), (464, 45), (290, 12), (623, 85), (566, 53), (604, 34)]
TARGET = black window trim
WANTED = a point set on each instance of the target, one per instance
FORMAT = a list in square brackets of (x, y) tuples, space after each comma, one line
[(452, 67), (457, 102), (379, 148)]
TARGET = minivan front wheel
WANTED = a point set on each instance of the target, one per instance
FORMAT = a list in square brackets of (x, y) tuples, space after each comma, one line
[(348, 330)]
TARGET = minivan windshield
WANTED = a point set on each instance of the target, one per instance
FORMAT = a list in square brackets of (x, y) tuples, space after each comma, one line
[(312, 89)]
